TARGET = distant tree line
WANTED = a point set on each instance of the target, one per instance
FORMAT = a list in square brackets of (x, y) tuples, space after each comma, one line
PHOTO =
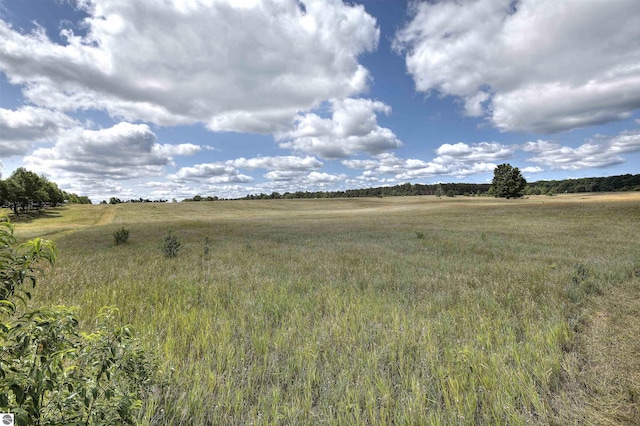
[(24, 191), (626, 182), (405, 189), (116, 200), (200, 198)]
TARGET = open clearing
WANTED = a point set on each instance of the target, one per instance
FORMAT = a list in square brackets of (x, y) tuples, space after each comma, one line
[(411, 310)]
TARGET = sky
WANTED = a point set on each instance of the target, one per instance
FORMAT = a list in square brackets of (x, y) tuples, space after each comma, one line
[(176, 98)]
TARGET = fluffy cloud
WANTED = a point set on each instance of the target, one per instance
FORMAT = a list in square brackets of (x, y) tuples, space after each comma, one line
[(21, 128), (303, 179), (458, 160), (410, 169), (532, 169), (600, 151), (290, 163), (239, 66), (483, 152), (282, 168), (353, 128), (531, 65), (211, 173), (317, 177), (124, 151)]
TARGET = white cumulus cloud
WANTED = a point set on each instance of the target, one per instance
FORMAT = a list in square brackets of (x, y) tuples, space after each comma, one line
[(289, 162), (233, 66), (597, 152), (478, 152), (352, 128), (212, 173), (281, 168), (528, 65), (532, 169), (20, 129), (404, 170), (124, 151)]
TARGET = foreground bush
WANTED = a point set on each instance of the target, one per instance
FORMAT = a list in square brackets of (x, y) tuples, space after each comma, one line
[(51, 373)]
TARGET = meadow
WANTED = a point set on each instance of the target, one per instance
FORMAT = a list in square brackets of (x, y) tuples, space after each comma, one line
[(407, 310)]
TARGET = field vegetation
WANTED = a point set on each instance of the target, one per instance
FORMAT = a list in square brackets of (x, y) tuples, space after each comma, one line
[(407, 310)]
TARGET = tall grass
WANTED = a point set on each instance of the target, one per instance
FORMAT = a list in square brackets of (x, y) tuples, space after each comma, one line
[(368, 311)]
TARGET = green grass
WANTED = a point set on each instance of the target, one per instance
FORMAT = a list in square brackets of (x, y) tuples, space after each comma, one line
[(359, 311)]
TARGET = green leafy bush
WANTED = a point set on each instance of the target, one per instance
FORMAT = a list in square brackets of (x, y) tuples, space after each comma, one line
[(170, 245), (50, 372), (121, 235)]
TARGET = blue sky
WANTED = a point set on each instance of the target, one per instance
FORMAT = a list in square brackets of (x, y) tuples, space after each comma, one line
[(231, 97)]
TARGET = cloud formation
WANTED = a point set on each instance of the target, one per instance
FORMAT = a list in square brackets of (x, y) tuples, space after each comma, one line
[(353, 128), (177, 62), (403, 170), (124, 151), (281, 168), (21, 128), (288, 163), (483, 151), (597, 152), (530, 65)]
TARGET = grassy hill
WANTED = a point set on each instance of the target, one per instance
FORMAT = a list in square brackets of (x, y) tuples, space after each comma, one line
[(412, 310)]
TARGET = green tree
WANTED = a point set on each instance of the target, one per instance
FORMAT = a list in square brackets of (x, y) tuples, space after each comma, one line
[(54, 195), (76, 199), (507, 182), (24, 188), (17, 188), (3, 192)]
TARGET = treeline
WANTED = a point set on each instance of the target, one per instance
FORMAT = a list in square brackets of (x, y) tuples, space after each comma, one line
[(405, 189), (24, 191), (116, 200), (626, 182), (200, 198)]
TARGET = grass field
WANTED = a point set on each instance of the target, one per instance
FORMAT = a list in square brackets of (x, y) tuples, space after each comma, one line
[(411, 310)]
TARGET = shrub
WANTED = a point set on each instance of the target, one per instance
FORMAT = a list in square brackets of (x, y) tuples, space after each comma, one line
[(50, 372), (53, 374), (170, 245), (121, 235)]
